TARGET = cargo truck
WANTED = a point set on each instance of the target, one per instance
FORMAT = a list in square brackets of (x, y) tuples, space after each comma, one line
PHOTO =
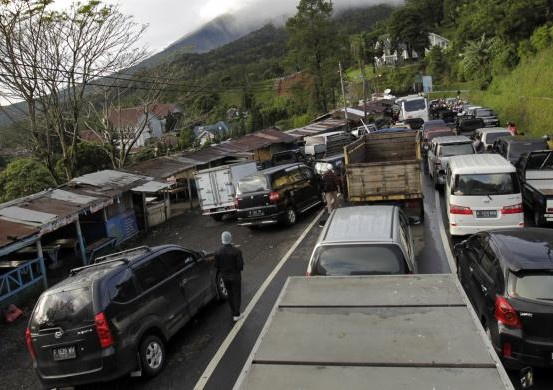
[(384, 167), (383, 332), (217, 187)]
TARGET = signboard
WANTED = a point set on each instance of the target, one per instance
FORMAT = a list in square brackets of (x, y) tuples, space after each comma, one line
[(427, 84)]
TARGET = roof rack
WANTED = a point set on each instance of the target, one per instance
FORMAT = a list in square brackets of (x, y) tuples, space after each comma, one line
[(74, 271), (102, 258)]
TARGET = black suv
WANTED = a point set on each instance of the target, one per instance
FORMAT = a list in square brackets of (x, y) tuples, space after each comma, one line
[(114, 317), (512, 147), (508, 276), (277, 194)]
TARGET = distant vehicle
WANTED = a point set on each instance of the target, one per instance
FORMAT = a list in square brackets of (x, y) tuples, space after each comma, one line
[(277, 194), (535, 172), (489, 135), (115, 316), (441, 150), (434, 123), (364, 240), (488, 116), (434, 132), (217, 187), (413, 106), (468, 125), (513, 147), (508, 276), (482, 192), (287, 157), (327, 143)]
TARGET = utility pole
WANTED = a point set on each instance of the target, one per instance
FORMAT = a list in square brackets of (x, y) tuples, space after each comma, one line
[(344, 96), (364, 89)]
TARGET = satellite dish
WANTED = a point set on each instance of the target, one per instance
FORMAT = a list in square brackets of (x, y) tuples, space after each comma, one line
[(387, 91)]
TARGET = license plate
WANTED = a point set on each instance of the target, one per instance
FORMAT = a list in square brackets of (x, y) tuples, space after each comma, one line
[(65, 353), (255, 213), (486, 213)]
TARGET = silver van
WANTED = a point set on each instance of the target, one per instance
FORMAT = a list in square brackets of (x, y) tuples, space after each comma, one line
[(364, 240), (441, 150)]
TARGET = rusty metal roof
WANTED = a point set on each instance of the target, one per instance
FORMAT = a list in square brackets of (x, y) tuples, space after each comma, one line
[(323, 126), (11, 232), (161, 168)]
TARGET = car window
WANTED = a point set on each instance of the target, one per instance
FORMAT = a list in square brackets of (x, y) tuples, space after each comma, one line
[(122, 287), (456, 149), (475, 247), (252, 183), (488, 263), (176, 260), (306, 172), (532, 285), (486, 184), (279, 179), (540, 160), (296, 175), (359, 260), (491, 137), (517, 148), (67, 309), (150, 272)]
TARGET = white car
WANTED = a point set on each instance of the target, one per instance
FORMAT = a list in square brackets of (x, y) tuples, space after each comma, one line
[(488, 135)]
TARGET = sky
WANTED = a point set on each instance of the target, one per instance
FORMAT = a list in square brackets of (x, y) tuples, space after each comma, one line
[(169, 20)]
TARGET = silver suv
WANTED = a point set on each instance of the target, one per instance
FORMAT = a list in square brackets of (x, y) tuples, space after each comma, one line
[(364, 240), (441, 149)]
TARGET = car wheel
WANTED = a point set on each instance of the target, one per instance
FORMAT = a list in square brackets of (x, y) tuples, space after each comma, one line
[(291, 216), (217, 217), (222, 292), (152, 355)]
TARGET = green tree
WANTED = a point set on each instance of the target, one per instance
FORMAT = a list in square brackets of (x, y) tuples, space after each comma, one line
[(436, 63), (24, 177), (407, 26), (313, 46), (541, 38), (478, 56)]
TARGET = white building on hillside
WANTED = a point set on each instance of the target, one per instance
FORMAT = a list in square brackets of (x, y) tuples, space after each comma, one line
[(391, 57)]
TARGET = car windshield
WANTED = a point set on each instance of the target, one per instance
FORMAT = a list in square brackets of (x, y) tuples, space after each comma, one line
[(359, 260), (540, 160), (491, 137), (456, 149), (252, 183), (535, 285), (517, 148), (67, 309), (434, 124), (414, 105), (484, 113), (486, 184)]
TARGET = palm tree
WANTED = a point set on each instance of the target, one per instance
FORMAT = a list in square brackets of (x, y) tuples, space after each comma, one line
[(478, 56)]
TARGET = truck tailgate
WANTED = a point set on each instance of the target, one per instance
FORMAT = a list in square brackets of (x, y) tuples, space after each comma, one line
[(377, 332)]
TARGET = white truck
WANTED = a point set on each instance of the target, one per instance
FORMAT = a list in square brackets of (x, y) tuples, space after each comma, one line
[(217, 187), (373, 332)]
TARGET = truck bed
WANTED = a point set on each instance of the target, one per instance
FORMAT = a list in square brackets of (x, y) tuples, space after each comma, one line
[(377, 332)]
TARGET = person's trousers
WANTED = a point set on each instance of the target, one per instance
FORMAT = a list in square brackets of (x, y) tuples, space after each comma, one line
[(331, 199), (234, 289)]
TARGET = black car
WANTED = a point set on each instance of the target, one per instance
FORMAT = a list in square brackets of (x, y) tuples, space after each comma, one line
[(488, 116), (468, 125), (512, 147), (277, 194), (508, 276), (114, 317)]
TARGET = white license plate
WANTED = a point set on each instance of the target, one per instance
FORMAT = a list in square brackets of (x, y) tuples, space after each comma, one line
[(65, 353), (486, 213), (255, 213)]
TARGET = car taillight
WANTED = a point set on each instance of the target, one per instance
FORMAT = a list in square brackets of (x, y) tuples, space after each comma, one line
[(274, 197), (29, 341), (506, 314), (308, 274), (102, 328), (514, 209), (507, 349), (235, 201), (455, 209)]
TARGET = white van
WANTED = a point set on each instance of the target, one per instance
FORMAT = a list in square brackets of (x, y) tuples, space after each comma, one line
[(482, 192), (412, 107)]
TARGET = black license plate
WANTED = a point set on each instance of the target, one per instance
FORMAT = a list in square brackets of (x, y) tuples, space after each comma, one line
[(65, 353), (486, 213), (255, 213)]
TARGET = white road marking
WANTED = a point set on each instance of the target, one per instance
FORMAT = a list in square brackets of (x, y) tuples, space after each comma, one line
[(236, 328), (443, 234)]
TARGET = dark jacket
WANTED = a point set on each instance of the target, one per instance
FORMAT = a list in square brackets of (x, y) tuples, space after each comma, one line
[(331, 182), (229, 261)]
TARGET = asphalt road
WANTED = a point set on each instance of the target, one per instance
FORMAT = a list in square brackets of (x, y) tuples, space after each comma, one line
[(198, 344)]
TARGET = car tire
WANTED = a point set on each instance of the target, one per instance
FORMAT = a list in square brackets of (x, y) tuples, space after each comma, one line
[(217, 217), (222, 292), (291, 217), (152, 355), (538, 219)]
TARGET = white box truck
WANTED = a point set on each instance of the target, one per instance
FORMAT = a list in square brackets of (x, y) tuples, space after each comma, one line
[(217, 187), (385, 332)]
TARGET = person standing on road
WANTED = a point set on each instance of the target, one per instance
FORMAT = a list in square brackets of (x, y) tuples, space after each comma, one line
[(424, 155), (229, 263), (331, 187), (479, 145)]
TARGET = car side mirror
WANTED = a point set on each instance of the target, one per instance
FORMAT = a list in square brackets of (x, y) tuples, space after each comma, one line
[(414, 220)]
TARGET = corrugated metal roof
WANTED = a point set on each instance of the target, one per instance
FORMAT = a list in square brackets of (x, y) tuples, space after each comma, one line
[(11, 232), (317, 128), (151, 186), (108, 179), (72, 197), (162, 167), (27, 216)]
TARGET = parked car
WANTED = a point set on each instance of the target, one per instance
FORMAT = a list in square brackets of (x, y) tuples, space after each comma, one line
[(488, 135), (467, 125), (488, 116), (514, 146), (431, 124), (115, 316), (441, 149), (364, 240), (508, 276), (482, 192), (432, 133), (277, 194)]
